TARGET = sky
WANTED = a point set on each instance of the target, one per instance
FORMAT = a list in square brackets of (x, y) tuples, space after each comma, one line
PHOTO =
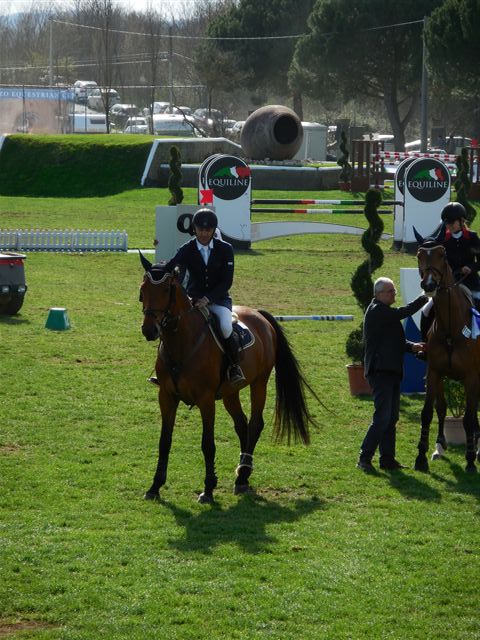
[(15, 6)]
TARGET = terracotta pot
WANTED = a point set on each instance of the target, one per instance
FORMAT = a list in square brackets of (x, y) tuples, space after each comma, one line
[(454, 431), (358, 383)]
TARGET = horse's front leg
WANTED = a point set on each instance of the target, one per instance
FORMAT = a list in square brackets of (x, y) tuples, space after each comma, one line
[(470, 423), (441, 410), (168, 408), (433, 381), (207, 410)]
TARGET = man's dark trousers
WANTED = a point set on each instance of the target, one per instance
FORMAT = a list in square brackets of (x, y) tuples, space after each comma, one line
[(381, 432)]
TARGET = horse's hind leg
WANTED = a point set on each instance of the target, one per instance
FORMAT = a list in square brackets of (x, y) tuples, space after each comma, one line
[(245, 466), (258, 397)]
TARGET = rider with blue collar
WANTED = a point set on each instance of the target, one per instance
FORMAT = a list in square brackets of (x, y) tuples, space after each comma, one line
[(210, 265)]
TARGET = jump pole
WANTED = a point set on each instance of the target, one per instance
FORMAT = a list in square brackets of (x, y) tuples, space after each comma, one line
[(314, 211), (342, 202), (324, 317)]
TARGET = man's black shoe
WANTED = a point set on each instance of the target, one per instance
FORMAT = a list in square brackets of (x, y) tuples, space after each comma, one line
[(365, 465), (392, 465)]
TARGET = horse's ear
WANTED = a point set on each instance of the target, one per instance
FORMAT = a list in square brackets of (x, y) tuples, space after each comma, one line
[(146, 264), (418, 237)]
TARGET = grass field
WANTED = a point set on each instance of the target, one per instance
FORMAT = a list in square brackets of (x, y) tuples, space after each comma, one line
[(321, 551)]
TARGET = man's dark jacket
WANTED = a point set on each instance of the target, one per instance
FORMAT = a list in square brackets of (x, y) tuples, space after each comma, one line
[(384, 337), (213, 280)]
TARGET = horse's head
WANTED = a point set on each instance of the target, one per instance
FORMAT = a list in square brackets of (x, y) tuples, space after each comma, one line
[(432, 265), (158, 296)]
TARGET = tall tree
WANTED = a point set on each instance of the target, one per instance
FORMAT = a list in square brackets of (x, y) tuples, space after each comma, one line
[(265, 62), (351, 50), (453, 41)]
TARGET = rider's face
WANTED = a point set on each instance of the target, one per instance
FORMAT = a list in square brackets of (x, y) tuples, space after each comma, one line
[(454, 226), (204, 235)]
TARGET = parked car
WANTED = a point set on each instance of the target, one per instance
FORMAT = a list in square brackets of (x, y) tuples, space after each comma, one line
[(171, 124), (82, 89), (121, 109), (137, 124), (235, 130), (12, 283), (98, 99), (86, 122)]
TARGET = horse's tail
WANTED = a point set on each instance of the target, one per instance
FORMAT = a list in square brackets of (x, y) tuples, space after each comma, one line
[(291, 412)]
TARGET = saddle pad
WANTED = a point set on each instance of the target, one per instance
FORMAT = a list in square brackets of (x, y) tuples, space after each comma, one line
[(244, 336)]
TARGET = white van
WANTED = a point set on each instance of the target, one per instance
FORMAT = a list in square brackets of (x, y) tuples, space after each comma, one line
[(87, 122)]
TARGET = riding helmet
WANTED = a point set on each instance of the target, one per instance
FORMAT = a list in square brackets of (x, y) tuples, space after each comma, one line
[(453, 211), (205, 219)]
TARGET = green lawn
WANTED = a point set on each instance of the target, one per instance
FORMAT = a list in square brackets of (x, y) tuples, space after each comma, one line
[(321, 551)]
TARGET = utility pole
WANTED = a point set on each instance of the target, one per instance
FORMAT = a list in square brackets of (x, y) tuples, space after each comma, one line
[(50, 55), (424, 96), (170, 68)]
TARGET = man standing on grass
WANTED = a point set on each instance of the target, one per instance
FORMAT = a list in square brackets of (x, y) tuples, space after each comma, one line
[(385, 346)]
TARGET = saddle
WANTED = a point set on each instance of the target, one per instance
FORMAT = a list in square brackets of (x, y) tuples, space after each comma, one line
[(243, 336)]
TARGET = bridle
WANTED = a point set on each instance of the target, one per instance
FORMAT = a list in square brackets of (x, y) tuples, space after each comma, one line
[(168, 319)]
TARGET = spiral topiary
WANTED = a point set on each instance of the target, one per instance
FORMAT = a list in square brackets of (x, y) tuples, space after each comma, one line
[(462, 184), (175, 177), (361, 282), (346, 172)]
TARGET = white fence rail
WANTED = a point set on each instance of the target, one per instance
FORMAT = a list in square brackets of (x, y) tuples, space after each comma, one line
[(62, 240)]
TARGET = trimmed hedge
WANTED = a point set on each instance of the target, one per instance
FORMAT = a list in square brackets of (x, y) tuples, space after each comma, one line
[(73, 165)]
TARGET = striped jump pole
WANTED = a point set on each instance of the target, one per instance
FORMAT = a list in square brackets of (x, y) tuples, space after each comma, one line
[(315, 211), (402, 155), (340, 202), (323, 317)]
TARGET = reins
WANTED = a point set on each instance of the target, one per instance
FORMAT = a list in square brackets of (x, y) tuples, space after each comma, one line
[(169, 323)]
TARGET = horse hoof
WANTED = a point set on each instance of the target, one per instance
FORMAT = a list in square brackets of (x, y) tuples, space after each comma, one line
[(471, 468), (151, 495), (242, 488), (205, 498), (422, 465), (436, 455)]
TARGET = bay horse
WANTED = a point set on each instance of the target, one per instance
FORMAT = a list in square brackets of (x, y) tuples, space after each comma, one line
[(450, 351), (190, 367)]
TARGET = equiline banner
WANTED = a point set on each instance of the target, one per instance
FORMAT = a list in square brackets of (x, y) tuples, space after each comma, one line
[(225, 182), (427, 191), (399, 196)]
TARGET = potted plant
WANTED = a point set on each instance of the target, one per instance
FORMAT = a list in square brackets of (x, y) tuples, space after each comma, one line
[(362, 287), (345, 177), (455, 399)]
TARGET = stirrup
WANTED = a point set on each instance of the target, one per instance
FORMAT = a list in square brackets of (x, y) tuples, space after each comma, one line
[(235, 375)]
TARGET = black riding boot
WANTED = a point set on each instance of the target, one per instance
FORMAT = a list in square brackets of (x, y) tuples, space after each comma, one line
[(235, 374)]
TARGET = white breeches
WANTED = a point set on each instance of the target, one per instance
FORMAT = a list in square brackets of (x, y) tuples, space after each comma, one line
[(224, 316)]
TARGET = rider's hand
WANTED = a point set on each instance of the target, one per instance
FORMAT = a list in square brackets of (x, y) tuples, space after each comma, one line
[(466, 270), (202, 302)]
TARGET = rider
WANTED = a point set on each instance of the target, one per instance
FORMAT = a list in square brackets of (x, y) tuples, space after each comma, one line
[(462, 249), (210, 266)]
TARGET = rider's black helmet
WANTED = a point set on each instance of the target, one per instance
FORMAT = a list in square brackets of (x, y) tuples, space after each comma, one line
[(205, 219), (453, 211)]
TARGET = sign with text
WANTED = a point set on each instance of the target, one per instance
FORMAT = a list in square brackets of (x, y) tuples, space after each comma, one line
[(226, 181), (427, 191)]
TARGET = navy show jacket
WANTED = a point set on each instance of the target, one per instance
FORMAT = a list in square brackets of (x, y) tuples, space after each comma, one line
[(212, 280)]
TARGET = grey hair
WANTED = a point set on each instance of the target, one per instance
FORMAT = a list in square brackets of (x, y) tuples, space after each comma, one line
[(380, 283)]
